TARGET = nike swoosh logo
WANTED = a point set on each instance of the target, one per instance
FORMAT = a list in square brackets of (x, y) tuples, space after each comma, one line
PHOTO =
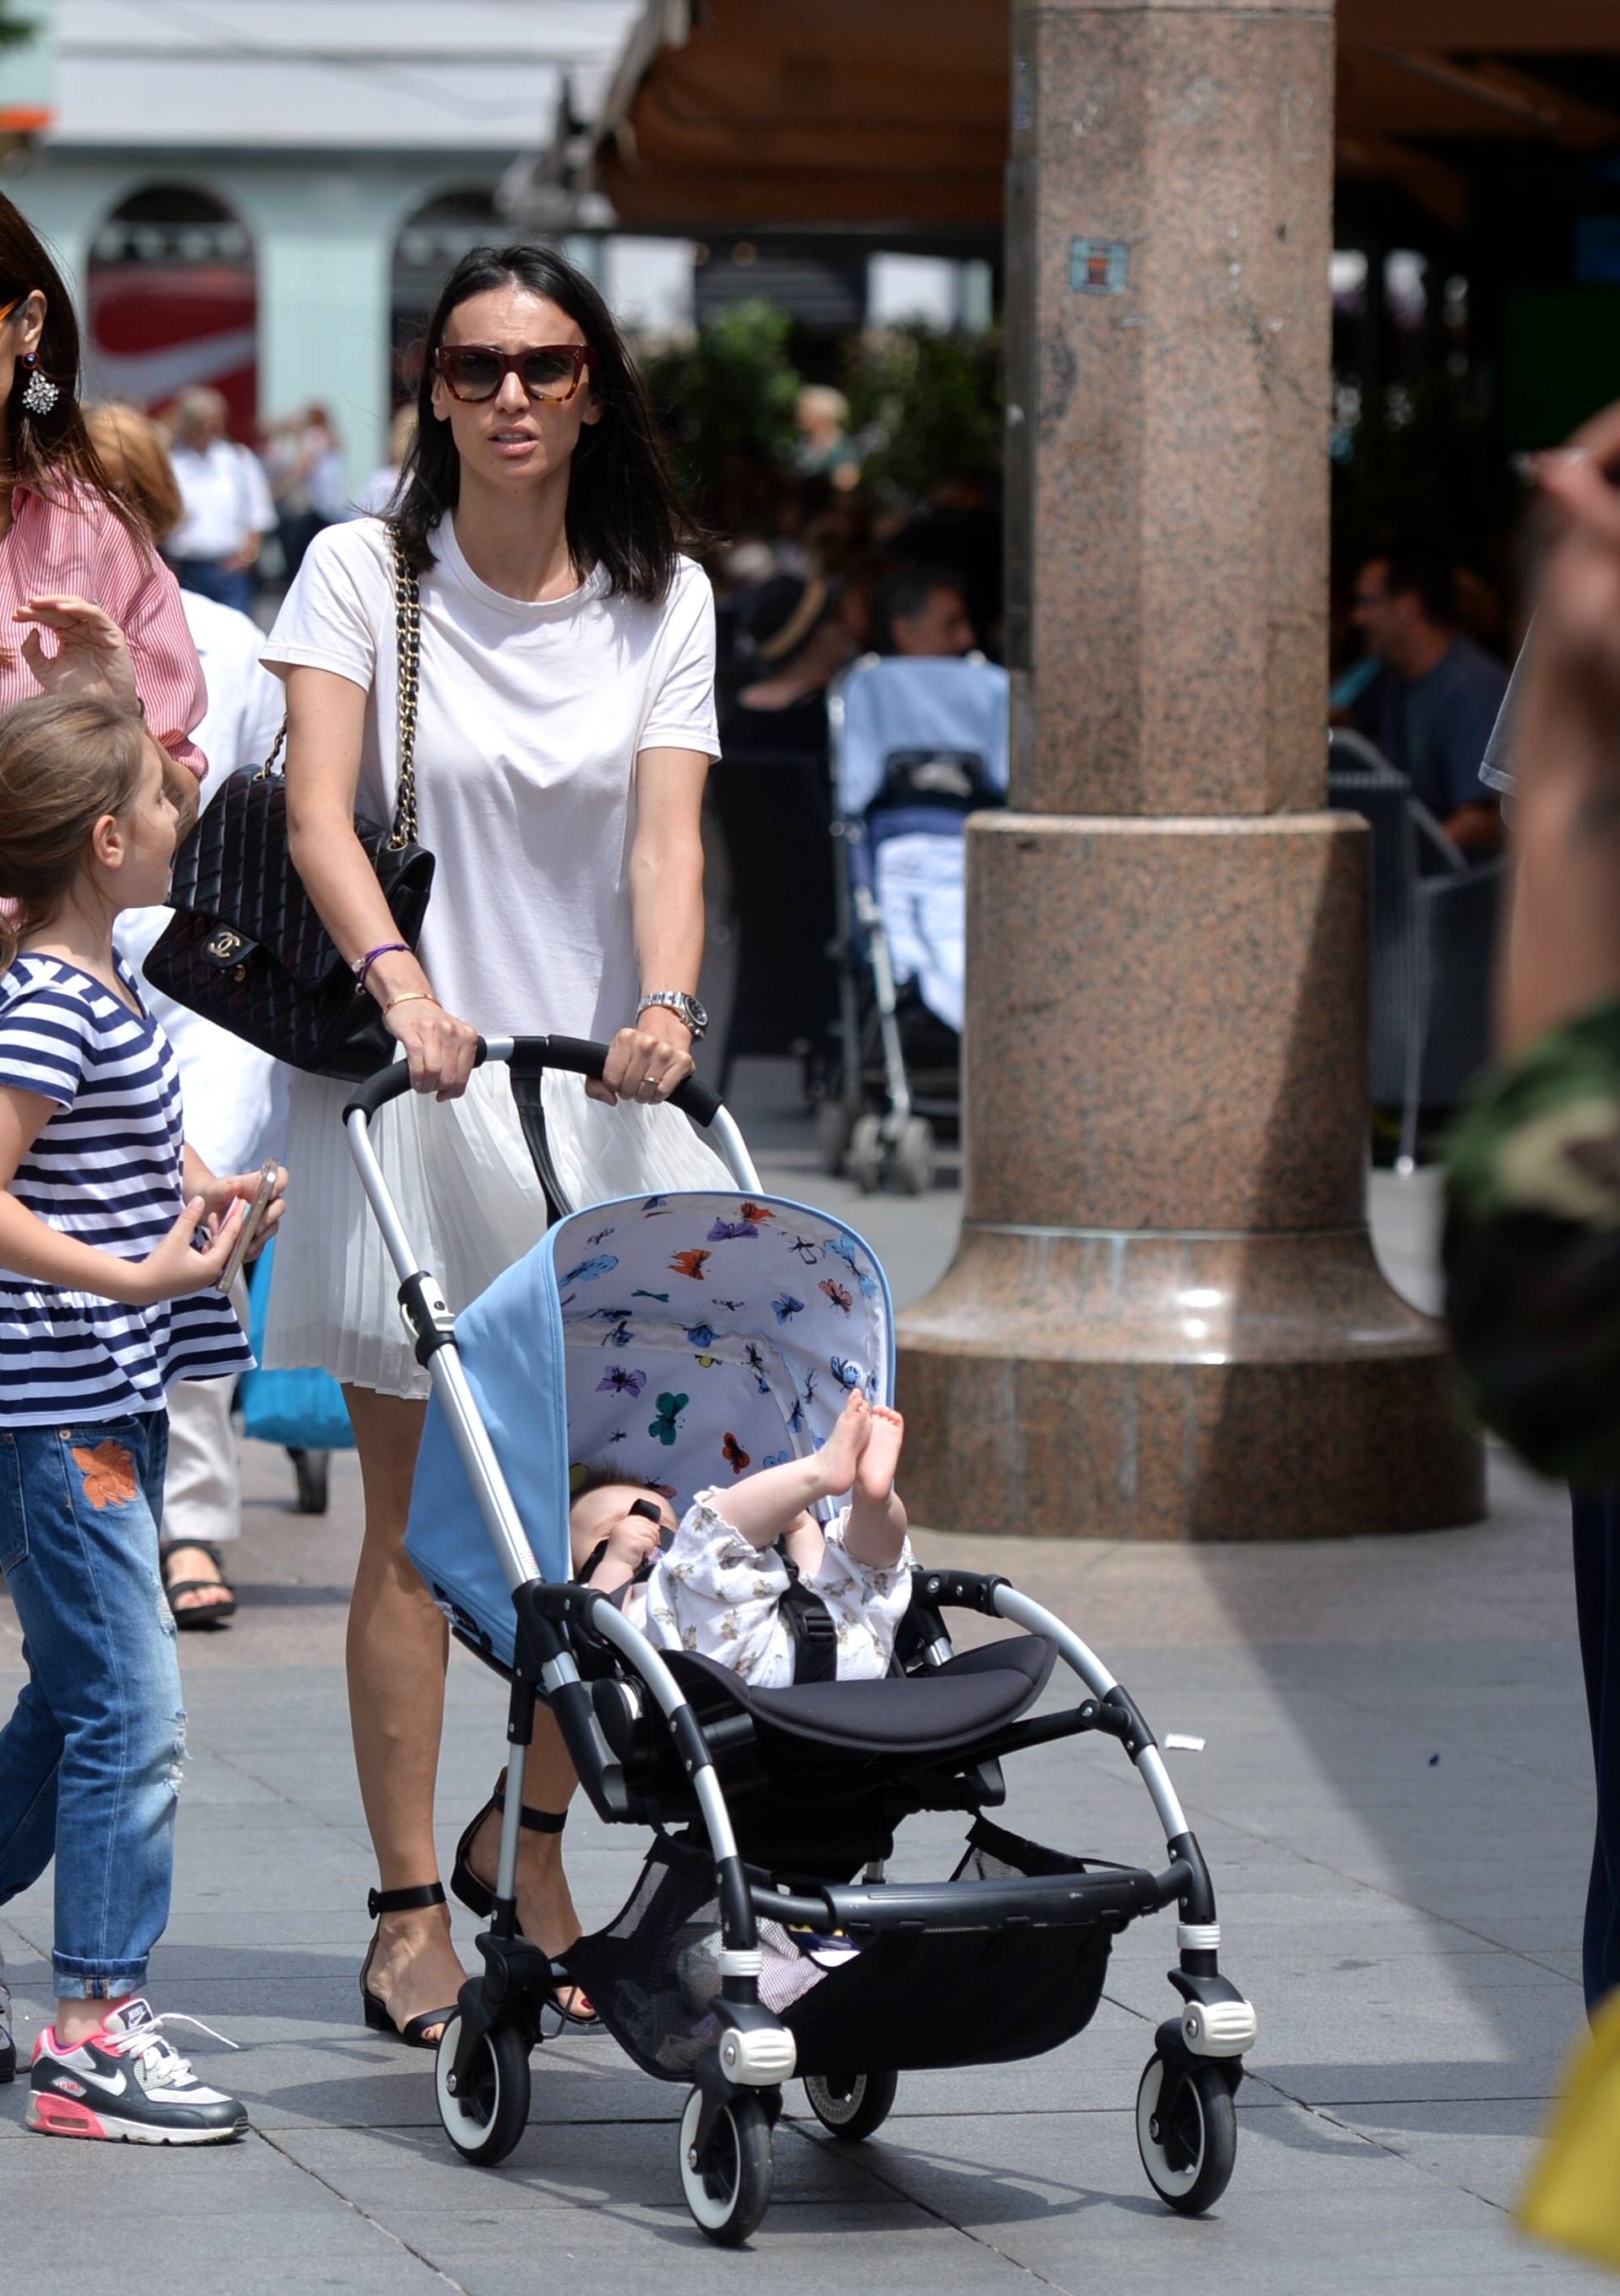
[(114, 2087)]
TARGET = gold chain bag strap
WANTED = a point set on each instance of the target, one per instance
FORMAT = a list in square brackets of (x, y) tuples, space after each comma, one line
[(407, 628), (245, 947)]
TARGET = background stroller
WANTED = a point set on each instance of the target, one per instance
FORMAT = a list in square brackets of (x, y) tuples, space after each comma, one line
[(916, 746), (689, 1334)]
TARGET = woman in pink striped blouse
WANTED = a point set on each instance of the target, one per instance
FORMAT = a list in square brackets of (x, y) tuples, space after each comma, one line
[(92, 606)]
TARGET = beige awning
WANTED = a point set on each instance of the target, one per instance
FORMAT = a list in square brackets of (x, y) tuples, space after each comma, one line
[(894, 112)]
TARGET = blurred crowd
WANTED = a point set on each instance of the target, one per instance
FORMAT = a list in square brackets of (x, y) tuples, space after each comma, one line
[(249, 513), (825, 572)]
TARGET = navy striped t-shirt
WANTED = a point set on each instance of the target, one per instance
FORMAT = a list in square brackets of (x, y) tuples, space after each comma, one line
[(107, 1167)]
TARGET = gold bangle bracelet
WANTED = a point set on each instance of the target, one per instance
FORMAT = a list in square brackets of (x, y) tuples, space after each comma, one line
[(410, 996)]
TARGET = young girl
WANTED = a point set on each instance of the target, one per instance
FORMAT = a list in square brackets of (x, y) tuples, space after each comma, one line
[(718, 1587), (113, 1237)]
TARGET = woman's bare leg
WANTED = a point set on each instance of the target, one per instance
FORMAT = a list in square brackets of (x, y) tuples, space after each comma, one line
[(397, 1647)]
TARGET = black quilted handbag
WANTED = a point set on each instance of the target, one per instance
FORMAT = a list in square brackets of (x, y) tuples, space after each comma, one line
[(245, 947)]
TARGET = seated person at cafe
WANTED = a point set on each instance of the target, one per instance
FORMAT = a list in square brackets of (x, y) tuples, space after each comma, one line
[(1433, 705)]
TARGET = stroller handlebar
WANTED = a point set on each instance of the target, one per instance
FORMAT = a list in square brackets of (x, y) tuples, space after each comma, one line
[(530, 1055)]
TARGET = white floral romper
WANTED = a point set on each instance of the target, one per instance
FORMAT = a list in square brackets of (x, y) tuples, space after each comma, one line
[(712, 1592)]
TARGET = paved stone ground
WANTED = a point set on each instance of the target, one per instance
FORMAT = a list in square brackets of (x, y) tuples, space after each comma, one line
[(1395, 1801)]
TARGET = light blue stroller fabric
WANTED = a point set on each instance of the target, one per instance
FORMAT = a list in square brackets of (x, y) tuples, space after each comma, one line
[(914, 854), (925, 705), (683, 1339)]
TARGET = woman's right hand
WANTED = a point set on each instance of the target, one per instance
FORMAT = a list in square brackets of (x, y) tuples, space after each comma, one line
[(175, 1267), (440, 1049), (92, 657)]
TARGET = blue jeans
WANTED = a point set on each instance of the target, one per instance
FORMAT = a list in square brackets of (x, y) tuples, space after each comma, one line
[(90, 1759), (210, 579)]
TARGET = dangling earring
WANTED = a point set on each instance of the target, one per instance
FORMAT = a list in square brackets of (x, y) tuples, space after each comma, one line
[(41, 394)]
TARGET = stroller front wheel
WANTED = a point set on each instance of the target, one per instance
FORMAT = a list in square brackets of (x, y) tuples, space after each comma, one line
[(851, 2105), (1189, 2160), (728, 2190), (485, 2114)]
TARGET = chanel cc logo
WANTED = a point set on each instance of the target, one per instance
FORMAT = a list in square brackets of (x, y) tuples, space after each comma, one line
[(224, 946)]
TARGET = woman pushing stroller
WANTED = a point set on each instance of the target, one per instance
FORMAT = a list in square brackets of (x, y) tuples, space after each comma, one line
[(723, 1585), (564, 723)]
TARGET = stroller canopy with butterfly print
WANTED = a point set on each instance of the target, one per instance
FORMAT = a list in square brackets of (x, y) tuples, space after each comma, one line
[(682, 1338), (690, 1336)]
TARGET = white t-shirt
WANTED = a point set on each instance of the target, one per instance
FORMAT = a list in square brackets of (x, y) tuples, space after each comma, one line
[(227, 497), (529, 721)]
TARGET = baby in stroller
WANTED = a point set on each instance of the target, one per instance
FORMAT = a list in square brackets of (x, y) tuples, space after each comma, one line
[(746, 1571)]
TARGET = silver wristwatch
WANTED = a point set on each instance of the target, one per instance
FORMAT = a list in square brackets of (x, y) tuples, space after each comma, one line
[(685, 1007)]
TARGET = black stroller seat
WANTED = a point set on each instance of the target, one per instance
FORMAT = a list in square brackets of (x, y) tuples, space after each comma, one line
[(951, 1707)]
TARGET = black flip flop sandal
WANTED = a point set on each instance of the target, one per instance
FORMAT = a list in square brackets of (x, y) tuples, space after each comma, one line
[(203, 1615)]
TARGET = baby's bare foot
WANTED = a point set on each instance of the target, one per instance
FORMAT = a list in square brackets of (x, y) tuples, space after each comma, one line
[(875, 1475), (840, 1454)]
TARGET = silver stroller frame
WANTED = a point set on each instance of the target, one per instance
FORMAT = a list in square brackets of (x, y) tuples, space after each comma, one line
[(725, 2160)]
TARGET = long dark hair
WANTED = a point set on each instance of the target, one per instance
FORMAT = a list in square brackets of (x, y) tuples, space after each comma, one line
[(53, 445), (623, 514)]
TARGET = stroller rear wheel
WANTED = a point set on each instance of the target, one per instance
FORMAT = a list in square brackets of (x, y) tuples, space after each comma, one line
[(914, 1156), (866, 1154), (729, 2189), (852, 2105), (1189, 2155), (833, 1122), (484, 2117)]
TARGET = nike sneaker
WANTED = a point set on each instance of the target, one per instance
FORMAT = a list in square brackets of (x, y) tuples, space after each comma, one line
[(130, 2084)]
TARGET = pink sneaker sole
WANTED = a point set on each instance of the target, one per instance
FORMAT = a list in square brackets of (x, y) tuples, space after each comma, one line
[(59, 2116)]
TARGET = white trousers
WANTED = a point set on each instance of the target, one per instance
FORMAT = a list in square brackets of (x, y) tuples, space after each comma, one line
[(203, 1488)]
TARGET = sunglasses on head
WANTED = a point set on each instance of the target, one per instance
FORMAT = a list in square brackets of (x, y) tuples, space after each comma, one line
[(547, 371)]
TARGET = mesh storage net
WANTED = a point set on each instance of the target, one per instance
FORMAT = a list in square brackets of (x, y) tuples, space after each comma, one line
[(975, 1991)]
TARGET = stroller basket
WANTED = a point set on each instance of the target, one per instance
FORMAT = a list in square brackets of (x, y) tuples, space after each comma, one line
[(995, 1992)]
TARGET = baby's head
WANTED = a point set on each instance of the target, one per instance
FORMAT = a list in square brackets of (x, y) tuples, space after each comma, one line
[(605, 1499)]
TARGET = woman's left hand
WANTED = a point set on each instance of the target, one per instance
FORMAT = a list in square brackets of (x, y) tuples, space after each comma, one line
[(646, 1062), (91, 659)]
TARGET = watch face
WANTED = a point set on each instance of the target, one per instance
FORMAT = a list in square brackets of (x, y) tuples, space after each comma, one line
[(695, 1012)]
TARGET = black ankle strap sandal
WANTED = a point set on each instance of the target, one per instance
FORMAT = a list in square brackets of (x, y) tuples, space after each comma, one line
[(479, 1897), (379, 2019), (532, 1821)]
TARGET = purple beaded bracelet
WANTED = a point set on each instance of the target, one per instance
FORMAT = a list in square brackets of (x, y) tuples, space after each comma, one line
[(364, 964)]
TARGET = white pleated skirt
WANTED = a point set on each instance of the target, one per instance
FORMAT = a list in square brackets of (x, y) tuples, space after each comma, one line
[(460, 1174)]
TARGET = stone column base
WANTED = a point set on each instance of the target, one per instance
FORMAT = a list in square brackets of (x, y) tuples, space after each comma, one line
[(1165, 1319), (1179, 1387)]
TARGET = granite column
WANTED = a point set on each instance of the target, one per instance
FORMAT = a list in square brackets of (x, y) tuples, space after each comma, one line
[(1164, 1318)]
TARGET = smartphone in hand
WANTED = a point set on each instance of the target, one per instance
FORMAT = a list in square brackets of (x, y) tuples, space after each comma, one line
[(252, 1221)]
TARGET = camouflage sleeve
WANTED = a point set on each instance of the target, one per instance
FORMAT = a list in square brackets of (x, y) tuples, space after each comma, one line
[(1532, 1250)]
